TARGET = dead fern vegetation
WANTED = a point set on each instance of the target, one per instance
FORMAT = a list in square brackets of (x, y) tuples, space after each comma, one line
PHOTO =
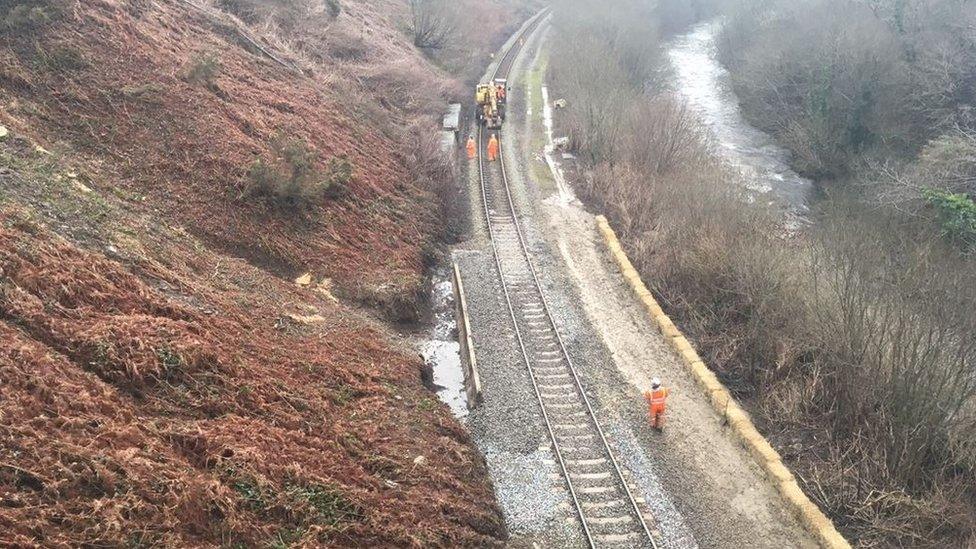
[(163, 381)]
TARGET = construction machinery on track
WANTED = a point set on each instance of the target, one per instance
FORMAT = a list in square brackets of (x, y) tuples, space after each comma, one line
[(491, 100)]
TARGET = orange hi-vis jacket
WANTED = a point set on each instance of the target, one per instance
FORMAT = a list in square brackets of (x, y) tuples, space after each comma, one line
[(472, 149), (492, 147), (656, 399)]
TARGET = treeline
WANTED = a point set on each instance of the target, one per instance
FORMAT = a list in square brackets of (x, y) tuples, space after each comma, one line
[(854, 341), (875, 94)]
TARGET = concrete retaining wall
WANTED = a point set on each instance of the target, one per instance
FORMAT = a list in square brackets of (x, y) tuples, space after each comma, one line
[(741, 424), (472, 381)]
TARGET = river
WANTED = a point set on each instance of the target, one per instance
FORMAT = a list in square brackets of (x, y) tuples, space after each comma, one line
[(706, 86)]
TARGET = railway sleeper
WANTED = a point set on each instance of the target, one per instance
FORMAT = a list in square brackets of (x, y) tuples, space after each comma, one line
[(561, 387), (603, 475), (564, 406), (587, 462), (609, 521), (625, 538), (601, 490), (571, 426), (585, 436)]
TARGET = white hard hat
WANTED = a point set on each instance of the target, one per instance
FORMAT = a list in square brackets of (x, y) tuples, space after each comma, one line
[(655, 383)]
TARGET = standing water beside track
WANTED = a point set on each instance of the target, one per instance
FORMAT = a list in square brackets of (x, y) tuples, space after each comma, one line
[(702, 81), (441, 350)]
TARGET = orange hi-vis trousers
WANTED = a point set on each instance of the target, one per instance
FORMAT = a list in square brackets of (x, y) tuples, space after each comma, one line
[(492, 150), (656, 403)]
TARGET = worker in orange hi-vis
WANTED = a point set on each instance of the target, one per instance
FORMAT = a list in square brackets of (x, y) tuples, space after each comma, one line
[(492, 148), (656, 399), (472, 148)]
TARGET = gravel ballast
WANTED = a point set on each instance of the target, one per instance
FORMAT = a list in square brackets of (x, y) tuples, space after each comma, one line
[(703, 489)]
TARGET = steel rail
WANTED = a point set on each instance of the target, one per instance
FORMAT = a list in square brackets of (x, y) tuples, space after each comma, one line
[(506, 62)]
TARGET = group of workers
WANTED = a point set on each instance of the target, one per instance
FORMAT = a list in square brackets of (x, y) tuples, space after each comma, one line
[(472, 148), (657, 397)]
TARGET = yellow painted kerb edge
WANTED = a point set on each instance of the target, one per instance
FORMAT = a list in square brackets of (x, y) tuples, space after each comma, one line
[(812, 518)]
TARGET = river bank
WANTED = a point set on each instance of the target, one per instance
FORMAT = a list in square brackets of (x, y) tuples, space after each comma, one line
[(700, 80)]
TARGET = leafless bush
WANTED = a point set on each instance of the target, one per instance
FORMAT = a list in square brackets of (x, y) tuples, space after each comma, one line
[(395, 84), (433, 169), (434, 23), (27, 16), (603, 59), (285, 14), (946, 164), (840, 80), (825, 80), (949, 162), (894, 321), (663, 136), (292, 179), (857, 339), (203, 69)]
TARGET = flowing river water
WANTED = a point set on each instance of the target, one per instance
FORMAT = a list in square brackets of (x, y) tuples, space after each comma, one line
[(704, 83)]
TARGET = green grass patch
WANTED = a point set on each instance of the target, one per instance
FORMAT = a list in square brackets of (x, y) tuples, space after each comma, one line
[(328, 505), (252, 494)]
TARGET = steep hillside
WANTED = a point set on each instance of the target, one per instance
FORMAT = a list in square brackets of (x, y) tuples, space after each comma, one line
[(114, 86), (162, 379)]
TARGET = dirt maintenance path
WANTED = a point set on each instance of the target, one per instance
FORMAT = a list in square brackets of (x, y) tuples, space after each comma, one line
[(702, 488)]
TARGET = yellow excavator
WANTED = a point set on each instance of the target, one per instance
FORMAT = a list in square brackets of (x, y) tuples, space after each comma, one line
[(491, 100)]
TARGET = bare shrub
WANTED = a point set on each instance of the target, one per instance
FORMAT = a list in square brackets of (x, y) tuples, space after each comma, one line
[(433, 169), (892, 321), (247, 10), (838, 81), (62, 58), (292, 178), (287, 15), (825, 80), (897, 330), (334, 8), (943, 176), (603, 60), (664, 135), (949, 162), (26, 16), (434, 23), (855, 341), (203, 69), (396, 78)]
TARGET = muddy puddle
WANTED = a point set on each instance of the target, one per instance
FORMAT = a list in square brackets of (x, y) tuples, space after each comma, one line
[(440, 348)]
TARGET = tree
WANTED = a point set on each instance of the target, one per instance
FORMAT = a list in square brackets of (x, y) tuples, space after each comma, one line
[(434, 23)]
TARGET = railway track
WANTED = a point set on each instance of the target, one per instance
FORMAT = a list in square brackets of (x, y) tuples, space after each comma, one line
[(609, 512)]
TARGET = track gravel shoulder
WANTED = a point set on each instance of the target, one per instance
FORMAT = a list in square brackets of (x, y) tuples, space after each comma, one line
[(704, 489)]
